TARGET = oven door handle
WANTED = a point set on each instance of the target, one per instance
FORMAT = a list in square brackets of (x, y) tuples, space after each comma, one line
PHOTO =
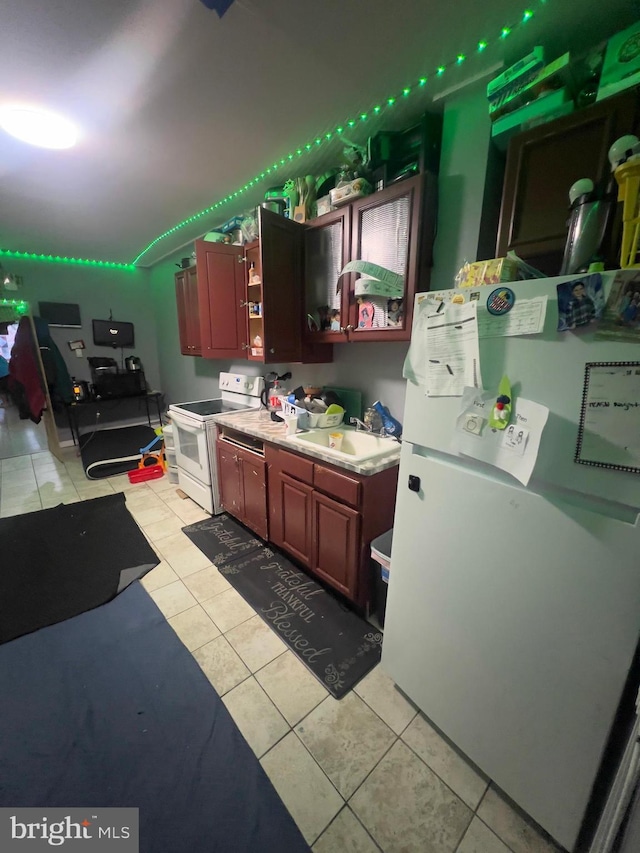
[(187, 428)]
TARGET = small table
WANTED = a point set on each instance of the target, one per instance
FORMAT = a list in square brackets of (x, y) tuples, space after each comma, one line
[(74, 409)]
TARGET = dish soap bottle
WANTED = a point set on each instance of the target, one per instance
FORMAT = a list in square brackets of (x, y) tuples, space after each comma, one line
[(391, 425)]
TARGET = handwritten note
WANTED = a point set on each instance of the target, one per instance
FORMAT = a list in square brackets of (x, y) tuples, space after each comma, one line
[(609, 431)]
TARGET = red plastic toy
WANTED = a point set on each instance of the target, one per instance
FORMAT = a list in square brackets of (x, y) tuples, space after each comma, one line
[(151, 472)]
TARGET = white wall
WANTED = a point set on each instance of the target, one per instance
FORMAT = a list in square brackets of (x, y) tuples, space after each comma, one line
[(466, 136), (97, 291)]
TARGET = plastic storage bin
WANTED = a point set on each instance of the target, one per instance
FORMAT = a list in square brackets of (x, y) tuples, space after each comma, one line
[(381, 565), (310, 420)]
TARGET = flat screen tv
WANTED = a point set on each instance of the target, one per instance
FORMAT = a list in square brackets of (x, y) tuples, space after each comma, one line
[(62, 315), (112, 333)]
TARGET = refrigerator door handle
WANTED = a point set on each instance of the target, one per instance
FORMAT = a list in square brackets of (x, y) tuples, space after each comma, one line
[(414, 483)]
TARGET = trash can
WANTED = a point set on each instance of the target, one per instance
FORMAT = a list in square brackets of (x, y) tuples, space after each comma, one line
[(381, 565)]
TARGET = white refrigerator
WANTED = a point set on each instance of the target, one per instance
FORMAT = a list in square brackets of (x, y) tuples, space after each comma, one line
[(513, 613)]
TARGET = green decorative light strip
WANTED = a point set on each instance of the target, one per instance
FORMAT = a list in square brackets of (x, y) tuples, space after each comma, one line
[(385, 104), (20, 305), (57, 259)]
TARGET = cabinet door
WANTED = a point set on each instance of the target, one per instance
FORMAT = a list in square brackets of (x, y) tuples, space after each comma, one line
[(181, 305), (254, 492), (192, 311), (291, 503), (281, 255), (386, 230), (229, 480), (327, 245), (336, 531), (543, 163), (221, 297)]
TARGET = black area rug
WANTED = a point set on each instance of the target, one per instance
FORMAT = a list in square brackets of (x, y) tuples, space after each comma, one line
[(108, 452), (111, 709), (333, 642), (59, 562)]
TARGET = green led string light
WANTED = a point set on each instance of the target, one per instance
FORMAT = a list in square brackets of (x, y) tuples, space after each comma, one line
[(390, 101), (21, 307), (57, 259)]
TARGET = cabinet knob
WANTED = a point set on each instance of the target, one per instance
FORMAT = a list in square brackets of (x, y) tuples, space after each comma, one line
[(243, 303), (245, 346), (272, 350), (350, 328), (414, 483), (242, 259)]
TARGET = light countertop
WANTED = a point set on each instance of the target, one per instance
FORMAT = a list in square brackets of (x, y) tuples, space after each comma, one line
[(259, 425)]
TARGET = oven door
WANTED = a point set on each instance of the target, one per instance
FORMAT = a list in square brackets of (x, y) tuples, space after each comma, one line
[(192, 454)]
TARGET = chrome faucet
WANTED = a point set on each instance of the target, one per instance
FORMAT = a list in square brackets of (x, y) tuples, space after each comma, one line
[(360, 425)]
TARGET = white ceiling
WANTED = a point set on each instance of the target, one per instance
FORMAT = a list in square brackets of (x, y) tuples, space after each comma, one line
[(179, 108)]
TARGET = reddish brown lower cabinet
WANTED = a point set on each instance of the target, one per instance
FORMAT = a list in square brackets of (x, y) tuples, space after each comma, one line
[(243, 486), (336, 530), (292, 509), (325, 517)]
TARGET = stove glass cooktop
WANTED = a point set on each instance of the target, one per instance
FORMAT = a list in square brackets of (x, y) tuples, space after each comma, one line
[(212, 407)]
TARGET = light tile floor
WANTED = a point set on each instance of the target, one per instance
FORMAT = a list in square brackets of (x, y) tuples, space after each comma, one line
[(365, 774)]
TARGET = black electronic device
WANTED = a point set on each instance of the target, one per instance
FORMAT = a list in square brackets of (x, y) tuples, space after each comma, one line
[(64, 315), (115, 385), (113, 333)]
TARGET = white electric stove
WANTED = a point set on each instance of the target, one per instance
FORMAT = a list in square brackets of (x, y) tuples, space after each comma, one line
[(194, 431)]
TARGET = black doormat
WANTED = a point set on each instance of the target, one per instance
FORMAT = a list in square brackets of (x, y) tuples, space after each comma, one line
[(59, 562), (113, 451), (335, 644)]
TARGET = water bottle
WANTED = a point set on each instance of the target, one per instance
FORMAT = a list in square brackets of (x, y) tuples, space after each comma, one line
[(391, 425)]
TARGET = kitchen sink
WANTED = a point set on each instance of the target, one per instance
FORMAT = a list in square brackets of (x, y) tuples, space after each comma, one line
[(357, 445)]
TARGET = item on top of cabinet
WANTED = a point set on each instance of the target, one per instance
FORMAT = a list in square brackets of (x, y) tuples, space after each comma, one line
[(628, 177), (590, 222), (495, 271), (306, 189), (553, 76), (621, 67), (516, 74), (323, 205), (214, 237), (350, 191)]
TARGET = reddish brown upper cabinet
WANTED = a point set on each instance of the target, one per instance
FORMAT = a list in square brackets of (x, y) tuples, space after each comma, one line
[(393, 228), (188, 311), (221, 293), (543, 163), (250, 296)]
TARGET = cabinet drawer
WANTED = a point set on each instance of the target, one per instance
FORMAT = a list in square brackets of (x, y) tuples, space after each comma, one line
[(296, 466), (337, 485)]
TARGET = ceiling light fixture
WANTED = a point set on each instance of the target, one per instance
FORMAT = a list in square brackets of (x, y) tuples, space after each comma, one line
[(38, 127), (390, 101)]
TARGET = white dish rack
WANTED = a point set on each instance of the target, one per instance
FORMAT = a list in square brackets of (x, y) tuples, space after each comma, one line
[(310, 420)]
